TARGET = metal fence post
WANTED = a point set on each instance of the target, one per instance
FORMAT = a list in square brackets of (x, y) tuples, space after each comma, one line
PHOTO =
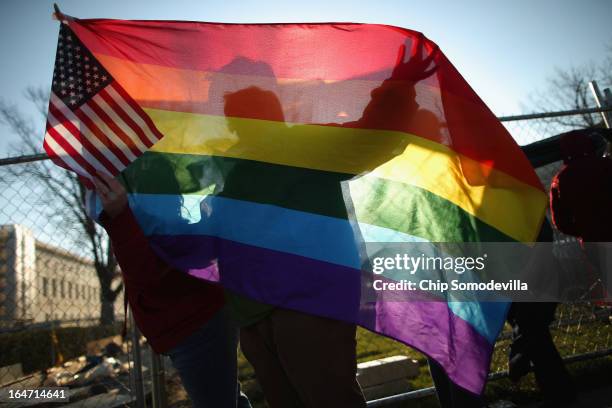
[(138, 379), (600, 101), (158, 381)]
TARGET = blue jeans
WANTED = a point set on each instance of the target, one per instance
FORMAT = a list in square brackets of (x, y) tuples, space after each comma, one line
[(206, 363)]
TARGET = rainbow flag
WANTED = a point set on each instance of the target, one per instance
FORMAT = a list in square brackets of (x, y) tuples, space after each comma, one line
[(263, 155)]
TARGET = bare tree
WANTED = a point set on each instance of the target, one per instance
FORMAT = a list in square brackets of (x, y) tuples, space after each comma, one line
[(63, 200), (568, 89)]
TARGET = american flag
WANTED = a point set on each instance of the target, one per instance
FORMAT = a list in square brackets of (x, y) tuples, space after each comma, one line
[(93, 125)]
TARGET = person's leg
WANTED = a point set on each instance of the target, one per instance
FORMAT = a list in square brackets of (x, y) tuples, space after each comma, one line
[(319, 357), (518, 360), (206, 363), (537, 344), (441, 383), (449, 394), (257, 343), (551, 375), (243, 400), (519, 363)]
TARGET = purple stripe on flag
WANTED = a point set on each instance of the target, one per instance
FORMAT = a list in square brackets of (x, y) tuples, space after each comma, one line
[(433, 329), (269, 276)]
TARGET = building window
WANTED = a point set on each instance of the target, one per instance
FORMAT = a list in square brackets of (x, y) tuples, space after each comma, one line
[(62, 293), (83, 292), (53, 287), (45, 284)]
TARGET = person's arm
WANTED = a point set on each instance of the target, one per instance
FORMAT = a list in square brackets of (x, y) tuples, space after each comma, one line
[(561, 211), (393, 106), (141, 267)]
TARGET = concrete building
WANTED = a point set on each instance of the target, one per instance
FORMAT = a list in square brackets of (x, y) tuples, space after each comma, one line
[(41, 283)]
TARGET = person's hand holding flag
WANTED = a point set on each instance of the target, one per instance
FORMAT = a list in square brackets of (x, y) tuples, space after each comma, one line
[(112, 194)]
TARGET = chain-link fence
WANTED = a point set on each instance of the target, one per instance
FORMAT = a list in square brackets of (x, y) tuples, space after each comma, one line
[(581, 330), (61, 305), (61, 299)]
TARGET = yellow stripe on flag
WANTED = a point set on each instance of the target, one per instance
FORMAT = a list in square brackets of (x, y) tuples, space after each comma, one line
[(499, 200)]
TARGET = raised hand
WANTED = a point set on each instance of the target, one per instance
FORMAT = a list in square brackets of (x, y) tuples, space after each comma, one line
[(416, 67)]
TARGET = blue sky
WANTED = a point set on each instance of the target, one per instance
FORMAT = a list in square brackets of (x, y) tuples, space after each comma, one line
[(505, 49)]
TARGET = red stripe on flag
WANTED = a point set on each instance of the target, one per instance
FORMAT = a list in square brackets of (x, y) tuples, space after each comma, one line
[(84, 140), (74, 155), (95, 130), (125, 117), (53, 155), (336, 51), (55, 158), (113, 126), (137, 109)]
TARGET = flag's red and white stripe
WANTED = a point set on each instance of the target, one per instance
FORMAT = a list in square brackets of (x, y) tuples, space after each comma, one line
[(104, 134)]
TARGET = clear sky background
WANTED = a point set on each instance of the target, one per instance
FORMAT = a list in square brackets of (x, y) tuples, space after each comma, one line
[(505, 49)]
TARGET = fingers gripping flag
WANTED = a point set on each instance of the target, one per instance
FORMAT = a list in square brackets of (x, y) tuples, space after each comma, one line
[(93, 125)]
